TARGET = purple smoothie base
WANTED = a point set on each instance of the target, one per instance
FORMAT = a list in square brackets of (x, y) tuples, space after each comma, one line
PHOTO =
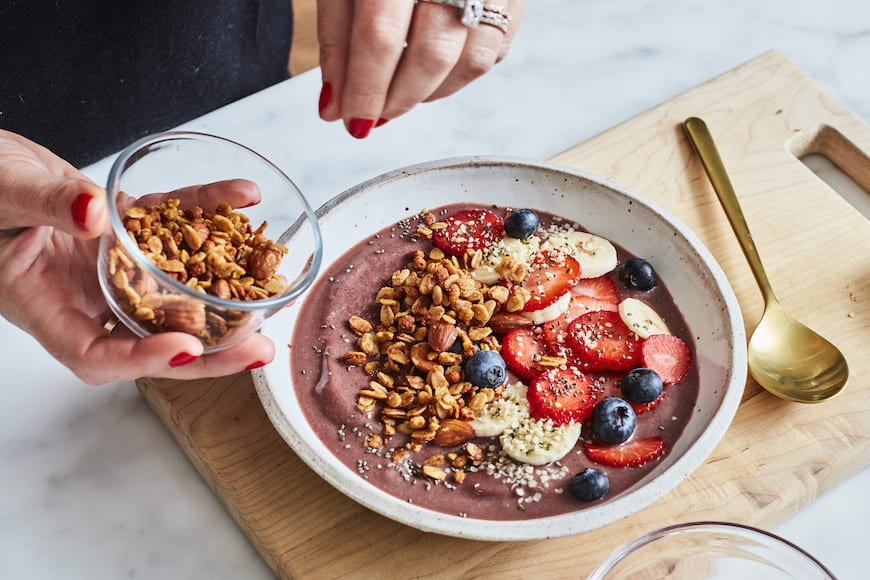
[(327, 392)]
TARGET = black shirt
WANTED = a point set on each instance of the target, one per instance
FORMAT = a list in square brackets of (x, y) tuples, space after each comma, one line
[(85, 78)]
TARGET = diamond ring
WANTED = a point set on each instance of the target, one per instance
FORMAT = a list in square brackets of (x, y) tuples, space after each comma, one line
[(475, 12)]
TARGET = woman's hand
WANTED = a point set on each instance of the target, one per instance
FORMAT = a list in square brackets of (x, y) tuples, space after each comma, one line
[(50, 219), (380, 58)]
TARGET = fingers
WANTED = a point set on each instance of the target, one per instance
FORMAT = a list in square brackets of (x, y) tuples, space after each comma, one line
[(485, 47), (238, 193), (39, 189), (380, 58), (97, 357)]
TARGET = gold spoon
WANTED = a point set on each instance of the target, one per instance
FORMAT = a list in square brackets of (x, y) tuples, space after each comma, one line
[(785, 357)]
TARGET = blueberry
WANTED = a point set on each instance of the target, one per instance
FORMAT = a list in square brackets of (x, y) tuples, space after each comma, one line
[(485, 369), (521, 224), (589, 484), (641, 385), (613, 421), (638, 274)]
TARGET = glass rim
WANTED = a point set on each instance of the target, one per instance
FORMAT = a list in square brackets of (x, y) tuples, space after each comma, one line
[(620, 552), (113, 190)]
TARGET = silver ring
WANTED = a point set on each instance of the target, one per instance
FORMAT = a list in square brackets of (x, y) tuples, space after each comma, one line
[(475, 12)]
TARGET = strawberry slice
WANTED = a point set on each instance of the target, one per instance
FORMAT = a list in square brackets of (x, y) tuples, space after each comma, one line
[(562, 394), (641, 408), (521, 350), (667, 355), (470, 229), (601, 341), (601, 288), (629, 454), (552, 274)]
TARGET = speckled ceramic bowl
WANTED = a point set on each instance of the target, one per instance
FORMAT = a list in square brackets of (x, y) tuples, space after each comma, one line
[(694, 279)]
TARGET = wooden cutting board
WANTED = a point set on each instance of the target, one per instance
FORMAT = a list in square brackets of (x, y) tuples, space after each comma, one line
[(775, 458)]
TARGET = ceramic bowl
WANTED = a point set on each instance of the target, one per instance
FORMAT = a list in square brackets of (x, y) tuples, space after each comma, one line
[(204, 171), (700, 550), (693, 277)]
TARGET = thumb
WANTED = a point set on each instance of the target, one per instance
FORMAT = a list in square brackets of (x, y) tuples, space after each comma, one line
[(34, 196)]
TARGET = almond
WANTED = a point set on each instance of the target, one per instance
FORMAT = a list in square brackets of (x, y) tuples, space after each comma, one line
[(441, 336), (453, 432), (183, 315)]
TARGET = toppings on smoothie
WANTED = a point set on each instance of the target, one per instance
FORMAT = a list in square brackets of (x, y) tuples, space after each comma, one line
[(521, 224), (484, 298), (563, 395), (638, 274), (602, 342), (631, 454), (552, 275), (668, 355), (613, 421), (589, 484), (474, 229), (485, 368), (641, 385)]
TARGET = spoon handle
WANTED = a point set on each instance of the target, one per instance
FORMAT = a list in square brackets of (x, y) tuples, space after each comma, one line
[(702, 141)]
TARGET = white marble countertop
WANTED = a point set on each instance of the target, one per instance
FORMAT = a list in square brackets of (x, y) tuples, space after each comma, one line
[(93, 487)]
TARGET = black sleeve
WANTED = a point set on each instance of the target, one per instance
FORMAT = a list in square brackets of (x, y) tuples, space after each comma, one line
[(86, 77)]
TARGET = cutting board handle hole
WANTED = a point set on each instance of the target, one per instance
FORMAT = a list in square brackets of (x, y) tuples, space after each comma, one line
[(838, 162)]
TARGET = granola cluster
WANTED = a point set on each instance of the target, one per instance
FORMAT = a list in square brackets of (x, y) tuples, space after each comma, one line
[(433, 315), (218, 253)]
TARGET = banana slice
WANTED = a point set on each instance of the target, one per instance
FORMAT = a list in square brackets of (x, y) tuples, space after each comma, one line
[(537, 442), (551, 312), (520, 250), (596, 255), (502, 413), (641, 319)]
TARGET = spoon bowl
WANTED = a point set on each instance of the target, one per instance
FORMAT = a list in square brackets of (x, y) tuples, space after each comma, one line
[(785, 357)]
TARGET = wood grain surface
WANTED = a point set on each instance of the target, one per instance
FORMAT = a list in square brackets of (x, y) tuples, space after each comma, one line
[(775, 458)]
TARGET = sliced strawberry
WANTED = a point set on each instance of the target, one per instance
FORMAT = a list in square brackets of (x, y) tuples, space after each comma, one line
[(562, 394), (667, 355), (629, 454), (470, 229), (521, 350), (602, 288), (552, 273), (555, 331), (601, 341), (641, 408)]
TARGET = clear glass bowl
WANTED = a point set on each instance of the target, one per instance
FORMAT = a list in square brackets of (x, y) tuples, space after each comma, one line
[(710, 550), (171, 282)]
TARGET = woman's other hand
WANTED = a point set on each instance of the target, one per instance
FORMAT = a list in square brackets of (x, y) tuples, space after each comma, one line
[(380, 58)]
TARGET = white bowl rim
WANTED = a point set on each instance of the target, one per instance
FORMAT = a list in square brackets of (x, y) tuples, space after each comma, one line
[(321, 460)]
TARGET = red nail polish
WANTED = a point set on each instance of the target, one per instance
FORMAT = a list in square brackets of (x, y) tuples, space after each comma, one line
[(182, 358), (325, 97), (250, 204), (255, 365), (381, 122), (80, 209), (360, 128)]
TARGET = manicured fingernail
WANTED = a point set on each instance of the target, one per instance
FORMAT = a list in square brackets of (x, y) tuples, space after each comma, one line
[(250, 204), (255, 365), (182, 358), (80, 209), (360, 128), (325, 97), (381, 122)]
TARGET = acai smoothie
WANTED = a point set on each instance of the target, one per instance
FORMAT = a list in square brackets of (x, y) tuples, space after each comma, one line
[(494, 363)]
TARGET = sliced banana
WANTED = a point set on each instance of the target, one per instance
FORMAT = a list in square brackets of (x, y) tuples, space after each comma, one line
[(551, 312), (536, 441), (520, 250), (641, 319), (503, 412), (596, 255)]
